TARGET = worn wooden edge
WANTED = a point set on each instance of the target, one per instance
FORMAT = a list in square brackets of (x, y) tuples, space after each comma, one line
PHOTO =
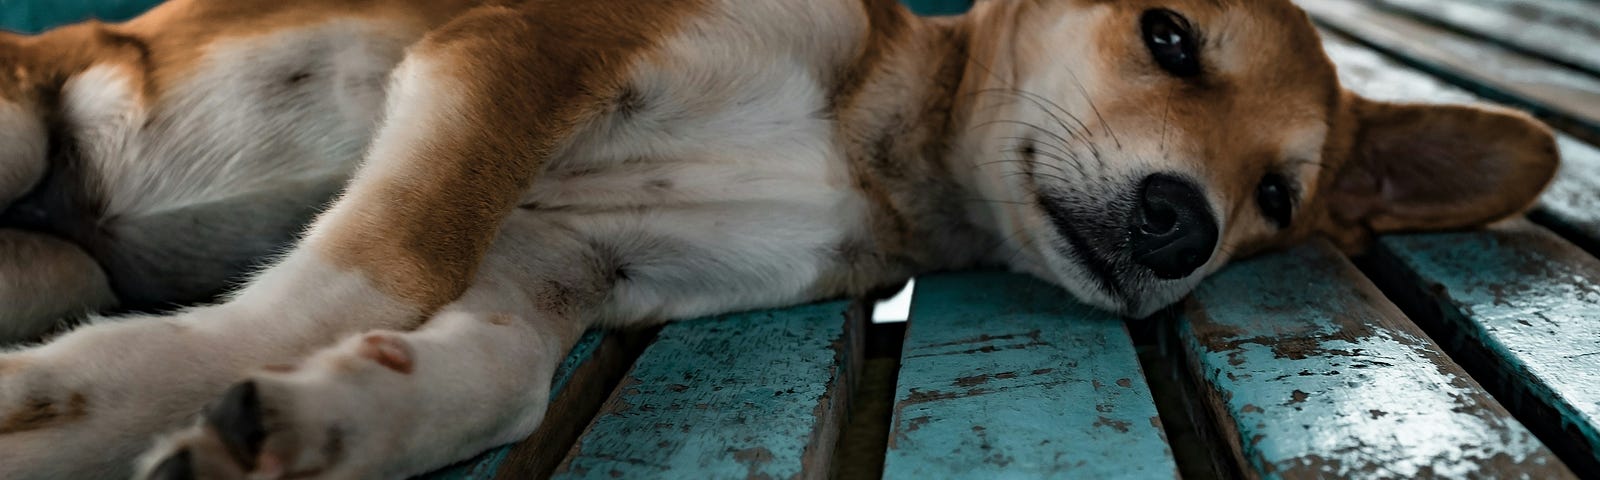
[(1353, 19), (990, 358), (1238, 327), (1448, 322), (1571, 204), (570, 412), (852, 359), (1496, 25), (821, 438), (1190, 420)]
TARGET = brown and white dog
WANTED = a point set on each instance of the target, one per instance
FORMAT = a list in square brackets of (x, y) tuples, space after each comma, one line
[(520, 171)]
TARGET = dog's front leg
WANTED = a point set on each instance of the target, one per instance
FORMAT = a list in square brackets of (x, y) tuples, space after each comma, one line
[(475, 111)]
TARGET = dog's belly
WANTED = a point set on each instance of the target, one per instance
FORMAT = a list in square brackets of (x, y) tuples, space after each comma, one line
[(711, 176)]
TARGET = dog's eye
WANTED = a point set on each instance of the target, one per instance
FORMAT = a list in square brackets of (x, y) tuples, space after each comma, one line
[(1276, 199), (1171, 41)]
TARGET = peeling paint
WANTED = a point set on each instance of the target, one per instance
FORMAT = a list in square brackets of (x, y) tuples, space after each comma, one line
[(1006, 376), (734, 396), (1309, 311)]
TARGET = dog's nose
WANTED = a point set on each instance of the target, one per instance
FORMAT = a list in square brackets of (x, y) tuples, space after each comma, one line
[(1173, 230)]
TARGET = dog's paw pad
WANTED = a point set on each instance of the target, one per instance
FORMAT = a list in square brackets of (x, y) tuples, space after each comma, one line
[(179, 466), (236, 419), (388, 350)]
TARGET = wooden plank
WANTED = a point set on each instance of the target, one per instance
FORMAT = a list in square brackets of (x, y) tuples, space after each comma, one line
[(938, 7), (1540, 28), (580, 365), (33, 16), (1315, 375), (1003, 376), (753, 395), (1572, 204), (1564, 97), (1525, 303)]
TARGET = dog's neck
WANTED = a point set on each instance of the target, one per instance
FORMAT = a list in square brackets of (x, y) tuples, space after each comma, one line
[(908, 125)]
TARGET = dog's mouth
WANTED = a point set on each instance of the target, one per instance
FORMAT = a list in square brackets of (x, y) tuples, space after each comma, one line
[(1080, 249)]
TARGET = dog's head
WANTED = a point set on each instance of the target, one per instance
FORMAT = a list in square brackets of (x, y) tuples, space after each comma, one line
[(1132, 147)]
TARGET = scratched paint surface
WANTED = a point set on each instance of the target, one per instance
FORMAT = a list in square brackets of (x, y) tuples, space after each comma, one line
[(1004, 376), (1321, 377), (1544, 87), (1572, 203), (484, 466), (1528, 25), (1532, 299), (737, 396)]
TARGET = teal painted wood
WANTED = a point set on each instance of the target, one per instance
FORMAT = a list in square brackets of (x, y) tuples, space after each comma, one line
[(1316, 375), (485, 465), (1564, 32), (1571, 205), (1556, 93), (1005, 376), (1528, 299), (938, 7), (32, 16), (753, 395)]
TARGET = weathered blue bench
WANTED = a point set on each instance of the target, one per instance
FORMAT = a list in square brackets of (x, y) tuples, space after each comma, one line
[(1464, 355)]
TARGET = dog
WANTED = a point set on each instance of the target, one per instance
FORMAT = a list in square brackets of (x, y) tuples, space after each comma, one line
[(505, 175)]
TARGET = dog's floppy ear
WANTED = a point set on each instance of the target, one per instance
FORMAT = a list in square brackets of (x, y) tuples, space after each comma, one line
[(1429, 167)]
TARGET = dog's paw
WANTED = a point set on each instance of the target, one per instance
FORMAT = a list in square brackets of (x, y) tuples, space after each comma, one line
[(86, 405), (337, 415)]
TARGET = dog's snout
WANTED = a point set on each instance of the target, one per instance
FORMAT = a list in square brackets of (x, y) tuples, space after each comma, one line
[(1173, 230)]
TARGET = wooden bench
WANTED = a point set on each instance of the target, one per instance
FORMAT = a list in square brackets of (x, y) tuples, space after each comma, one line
[(1465, 355)]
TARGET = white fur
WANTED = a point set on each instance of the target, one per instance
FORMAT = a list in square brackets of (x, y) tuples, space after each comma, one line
[(189, 150)]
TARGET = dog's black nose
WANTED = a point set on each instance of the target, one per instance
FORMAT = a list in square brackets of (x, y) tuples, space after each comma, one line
[(1173, 230)]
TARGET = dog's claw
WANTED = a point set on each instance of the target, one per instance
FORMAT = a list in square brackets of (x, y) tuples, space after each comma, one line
[(179, 466), (237, 420)]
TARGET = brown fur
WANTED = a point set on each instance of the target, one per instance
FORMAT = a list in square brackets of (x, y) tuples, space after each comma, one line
[(431, 237), (40, 413)]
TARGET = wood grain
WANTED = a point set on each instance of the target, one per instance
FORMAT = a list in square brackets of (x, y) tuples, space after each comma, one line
[(1564, 32), (1562, 96), (1314, 374), (1525, 302), (1005, 376), (754, 395)]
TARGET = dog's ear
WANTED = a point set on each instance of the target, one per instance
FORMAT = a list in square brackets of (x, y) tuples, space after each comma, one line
[(1429, 167)]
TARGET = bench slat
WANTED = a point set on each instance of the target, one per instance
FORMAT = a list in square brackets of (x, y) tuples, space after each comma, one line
[(1572, 204), (1561, 95), (485, 466), (1533, 28), (1314, 374), (749, 395), (1003, 375), (1523, 297), (34, 16)]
